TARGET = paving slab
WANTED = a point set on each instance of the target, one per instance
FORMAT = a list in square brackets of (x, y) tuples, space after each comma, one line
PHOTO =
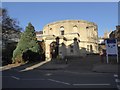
[(105, 68)]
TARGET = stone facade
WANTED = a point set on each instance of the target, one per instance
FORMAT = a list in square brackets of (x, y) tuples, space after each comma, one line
[(70, 38), (116, 34), (39, 35)]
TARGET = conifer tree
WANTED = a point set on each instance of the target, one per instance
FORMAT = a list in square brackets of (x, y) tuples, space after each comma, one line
[(28, 42)]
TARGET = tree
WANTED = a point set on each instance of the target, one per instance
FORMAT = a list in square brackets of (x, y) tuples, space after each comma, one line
[(27, 46), (10, 27), (10, 32)]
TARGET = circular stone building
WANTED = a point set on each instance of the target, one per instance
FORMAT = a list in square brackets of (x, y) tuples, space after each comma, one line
[(70, 38)]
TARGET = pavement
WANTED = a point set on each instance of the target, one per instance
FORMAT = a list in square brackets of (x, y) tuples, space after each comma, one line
[(82, 64), (105, 68)]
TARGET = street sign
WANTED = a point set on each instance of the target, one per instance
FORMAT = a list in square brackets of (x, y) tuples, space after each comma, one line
[(111, 48)]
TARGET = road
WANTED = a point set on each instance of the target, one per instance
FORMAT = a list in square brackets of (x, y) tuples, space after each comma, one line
[(78, 74), (13, 78)]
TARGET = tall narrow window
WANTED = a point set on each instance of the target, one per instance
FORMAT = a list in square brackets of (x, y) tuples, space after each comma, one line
[(91, 49), (62, 30), (87, 47), (75, 29)]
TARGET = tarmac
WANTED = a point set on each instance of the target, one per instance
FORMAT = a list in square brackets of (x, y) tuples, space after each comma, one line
[(53, 65)]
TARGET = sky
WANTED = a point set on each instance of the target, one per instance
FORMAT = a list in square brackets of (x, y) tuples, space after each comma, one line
[(104, 14)]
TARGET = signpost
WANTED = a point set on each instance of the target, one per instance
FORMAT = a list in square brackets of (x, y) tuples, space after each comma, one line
[(111, 48)]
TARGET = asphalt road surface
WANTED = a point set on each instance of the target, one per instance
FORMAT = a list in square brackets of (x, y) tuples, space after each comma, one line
[(14, 78)]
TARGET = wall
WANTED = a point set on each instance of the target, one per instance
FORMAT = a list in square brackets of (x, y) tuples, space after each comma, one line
[(85, 32)]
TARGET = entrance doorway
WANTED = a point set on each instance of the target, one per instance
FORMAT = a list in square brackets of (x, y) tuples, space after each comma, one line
[(53, 50)]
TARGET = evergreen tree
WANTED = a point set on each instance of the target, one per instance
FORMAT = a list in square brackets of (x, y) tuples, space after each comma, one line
[(28, 44)]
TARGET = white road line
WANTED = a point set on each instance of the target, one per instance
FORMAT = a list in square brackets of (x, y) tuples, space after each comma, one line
[(115, 75), (91, 84), (81, 73), (117, 80), (48, 74), (15, 77), (33, 79), (59, 81), (118, 86)]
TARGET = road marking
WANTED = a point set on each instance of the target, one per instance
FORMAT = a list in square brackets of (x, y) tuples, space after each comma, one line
[(118, 86), (59, 81), (82, 73), (115, 75), (117, 80), (91, 84), (48, 74), (15, 77), (33, 79)]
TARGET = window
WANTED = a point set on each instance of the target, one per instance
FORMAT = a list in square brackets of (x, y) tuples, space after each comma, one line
[(91, 49), (87, 47), (62, 32), (61, 28), (96, 47), (50, 28), (75, 29), (87, 27)]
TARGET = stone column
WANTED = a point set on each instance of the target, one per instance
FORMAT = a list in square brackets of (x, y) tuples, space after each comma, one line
[(47, 52)]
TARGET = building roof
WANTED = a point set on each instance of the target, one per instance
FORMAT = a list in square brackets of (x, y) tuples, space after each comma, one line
[(63, 21), (39, 32)]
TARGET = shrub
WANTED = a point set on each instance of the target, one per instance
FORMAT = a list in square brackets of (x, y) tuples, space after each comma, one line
[(28, 42)]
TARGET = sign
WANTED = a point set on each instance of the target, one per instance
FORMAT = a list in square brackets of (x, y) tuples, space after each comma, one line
[(111, 48)]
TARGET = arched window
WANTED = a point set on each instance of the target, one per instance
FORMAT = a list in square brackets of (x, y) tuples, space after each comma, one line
[(50, 28), (75, 28), (62, 30)]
